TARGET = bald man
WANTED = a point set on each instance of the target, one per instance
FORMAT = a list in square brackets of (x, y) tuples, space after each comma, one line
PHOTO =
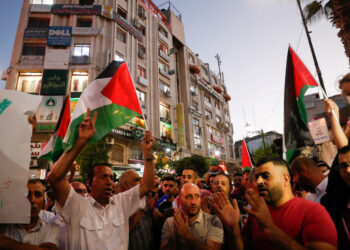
[(277, 219), (190, 227)]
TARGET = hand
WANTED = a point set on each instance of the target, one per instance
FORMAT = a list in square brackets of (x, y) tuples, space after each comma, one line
[(205, 201), (151, 201), (330, 104), (87, 127), (259, 210), (32, 120), (73, 169), (147, 145), (181, 224), (222, 207)]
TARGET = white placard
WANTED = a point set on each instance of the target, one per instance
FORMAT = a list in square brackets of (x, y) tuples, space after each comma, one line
[(15, 134), (319, 131)]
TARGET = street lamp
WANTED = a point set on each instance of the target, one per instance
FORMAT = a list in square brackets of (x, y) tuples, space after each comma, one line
[(217, 153)]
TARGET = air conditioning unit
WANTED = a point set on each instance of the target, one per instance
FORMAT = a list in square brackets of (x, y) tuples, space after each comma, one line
[(167, 93), (207, 117), (110, 140)]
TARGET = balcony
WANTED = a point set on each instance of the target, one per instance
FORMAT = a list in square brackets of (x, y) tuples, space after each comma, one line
[(164, 73), (163, 55), (143, 81), (31, 60), (35, 33), (80, 60), (163, 38)]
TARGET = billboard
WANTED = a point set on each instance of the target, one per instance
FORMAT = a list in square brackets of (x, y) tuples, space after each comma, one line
[(59, 36)]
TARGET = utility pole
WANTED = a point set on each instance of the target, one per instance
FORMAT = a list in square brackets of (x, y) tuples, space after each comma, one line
[(219, 64), (311, 47)]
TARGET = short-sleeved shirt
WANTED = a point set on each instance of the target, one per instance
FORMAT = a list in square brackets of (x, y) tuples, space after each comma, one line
[(304, 221), (92, 226), (320, 191), (205, 227), (41, 233)]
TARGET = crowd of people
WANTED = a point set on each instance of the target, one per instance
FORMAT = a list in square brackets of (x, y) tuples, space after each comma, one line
[(274, 205)]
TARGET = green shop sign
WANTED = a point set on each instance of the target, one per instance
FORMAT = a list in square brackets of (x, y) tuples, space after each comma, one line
[(54, 82)]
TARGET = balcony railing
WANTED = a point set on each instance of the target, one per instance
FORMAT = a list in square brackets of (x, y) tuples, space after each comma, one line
[(163, 55), (142, 80), (35, 33), (163, 38), (80, 59)]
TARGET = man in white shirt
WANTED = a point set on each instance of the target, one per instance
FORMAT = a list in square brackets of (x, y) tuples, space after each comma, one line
[(309, 177), (35, 235), (100, 221)]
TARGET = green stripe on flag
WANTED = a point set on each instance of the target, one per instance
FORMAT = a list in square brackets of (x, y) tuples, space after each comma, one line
[(301, 104), (108, 117)]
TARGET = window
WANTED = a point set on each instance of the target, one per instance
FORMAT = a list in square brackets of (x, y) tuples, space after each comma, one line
[(122, 13), (38, 23), (164, 111), (84, 22), (121, 35), (141, 11), (118, 57), (81, 50), (164, 87), (208, 114), (217, 105), (29, 82), (226, 112), (165, 130), (210, 129), (33, 49), (196, 134), (215, 81), (204, 70), (195, 105), (207, 100), (49, 2), (142, 29), (162, 66), (141, 95), (163, 48), (141, 72), (218, 119), (79, 81), (141, 51), (163, 32), (191, 58)]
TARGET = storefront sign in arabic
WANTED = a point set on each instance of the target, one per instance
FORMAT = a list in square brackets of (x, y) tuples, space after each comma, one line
[(54, 82), (76, 9)]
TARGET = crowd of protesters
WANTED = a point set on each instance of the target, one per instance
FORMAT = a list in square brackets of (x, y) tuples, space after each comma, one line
[(274, 205)]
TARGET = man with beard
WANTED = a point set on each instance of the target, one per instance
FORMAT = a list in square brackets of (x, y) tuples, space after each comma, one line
[(308, 177), (99, 221), (277, 219), (190, 228), (168, 187), (35, 235), (222, 183)]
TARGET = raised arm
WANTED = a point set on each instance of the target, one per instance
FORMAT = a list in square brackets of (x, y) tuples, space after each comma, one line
[(147, 182), (57, 176), (340, 139)]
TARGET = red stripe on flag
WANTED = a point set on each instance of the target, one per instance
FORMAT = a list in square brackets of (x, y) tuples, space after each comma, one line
[(302, 75), (63, 127), (246, 162), (121, 91)]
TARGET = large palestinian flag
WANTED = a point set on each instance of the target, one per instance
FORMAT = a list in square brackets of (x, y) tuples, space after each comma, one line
[(298, 81), (54, 148), (112, 95)]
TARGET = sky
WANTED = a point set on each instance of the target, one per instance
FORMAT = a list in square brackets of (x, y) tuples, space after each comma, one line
[(252, 38)]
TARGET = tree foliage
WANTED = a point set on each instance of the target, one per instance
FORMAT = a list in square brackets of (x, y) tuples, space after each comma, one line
[(91, 155), (260, 152), (199, 163)]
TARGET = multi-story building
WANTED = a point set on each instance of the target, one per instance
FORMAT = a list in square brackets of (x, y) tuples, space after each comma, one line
[(62, 45)]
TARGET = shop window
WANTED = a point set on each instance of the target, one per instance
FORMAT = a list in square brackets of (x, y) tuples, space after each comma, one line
[(122, 13), (81, 50), (38, 23), (141, 72), (84, 22), (29, 82), (121, 35), (164, 111), (118, 57), (141, 95), (33, 49), (79, 81)]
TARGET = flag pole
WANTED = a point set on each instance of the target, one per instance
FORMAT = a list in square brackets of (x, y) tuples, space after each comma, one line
[(326, 97)]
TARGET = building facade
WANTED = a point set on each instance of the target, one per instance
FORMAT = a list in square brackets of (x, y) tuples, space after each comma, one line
[(62, 45)]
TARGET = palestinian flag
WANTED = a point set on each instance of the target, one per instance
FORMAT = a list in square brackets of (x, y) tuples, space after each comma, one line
[(246, 161), (298, 81), (112, 95), (54, 148)]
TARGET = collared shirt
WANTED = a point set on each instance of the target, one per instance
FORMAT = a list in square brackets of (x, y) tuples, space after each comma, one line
[(320, 191), (92, 226), (205, 227), (41, 233)]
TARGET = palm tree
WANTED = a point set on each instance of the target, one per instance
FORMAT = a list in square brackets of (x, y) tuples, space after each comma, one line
[(337, 11)]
